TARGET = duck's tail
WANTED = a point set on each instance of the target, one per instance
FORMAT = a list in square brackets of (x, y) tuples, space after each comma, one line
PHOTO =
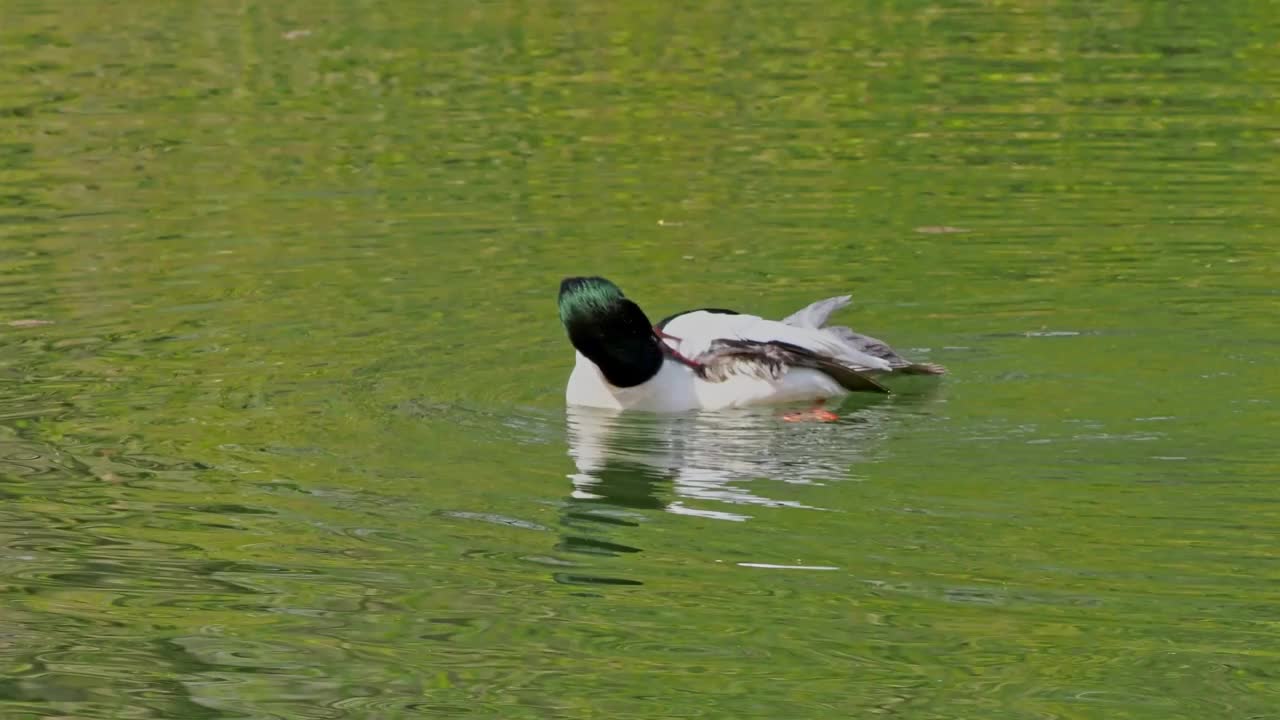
[(923, 369), (816, 316)]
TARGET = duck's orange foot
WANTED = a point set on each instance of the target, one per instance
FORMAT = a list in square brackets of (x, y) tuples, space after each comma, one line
[(812, 414)]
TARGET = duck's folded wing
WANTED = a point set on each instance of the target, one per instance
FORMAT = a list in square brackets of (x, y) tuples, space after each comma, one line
[(770, 360), (819, 341), (696, 333)]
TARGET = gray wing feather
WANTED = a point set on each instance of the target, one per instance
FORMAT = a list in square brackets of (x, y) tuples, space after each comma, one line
[(816, 315), (869, 345), (881, 349)]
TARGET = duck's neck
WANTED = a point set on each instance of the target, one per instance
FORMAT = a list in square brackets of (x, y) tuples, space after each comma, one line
[(628, 363)]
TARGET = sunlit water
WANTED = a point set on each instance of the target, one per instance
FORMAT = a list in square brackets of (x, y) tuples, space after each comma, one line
[(281, 421)]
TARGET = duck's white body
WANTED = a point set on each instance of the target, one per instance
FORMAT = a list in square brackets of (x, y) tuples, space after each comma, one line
[(678, 387)]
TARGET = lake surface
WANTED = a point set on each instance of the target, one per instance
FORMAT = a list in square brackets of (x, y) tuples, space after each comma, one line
[(282, 431)]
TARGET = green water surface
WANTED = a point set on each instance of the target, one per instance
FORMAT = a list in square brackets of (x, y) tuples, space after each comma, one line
[(282, 431)]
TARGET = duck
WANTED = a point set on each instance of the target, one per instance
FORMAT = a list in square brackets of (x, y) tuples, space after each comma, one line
[(715, 358)]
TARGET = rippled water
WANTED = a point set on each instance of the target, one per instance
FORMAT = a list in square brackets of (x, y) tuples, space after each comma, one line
[(281, 421)]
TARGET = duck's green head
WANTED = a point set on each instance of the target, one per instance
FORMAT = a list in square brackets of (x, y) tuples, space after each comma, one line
[(584, 298), (610, 330)]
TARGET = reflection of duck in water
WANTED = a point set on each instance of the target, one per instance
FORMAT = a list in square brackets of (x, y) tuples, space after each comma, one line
[(628, 459), (709, 464), (714, 358)]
